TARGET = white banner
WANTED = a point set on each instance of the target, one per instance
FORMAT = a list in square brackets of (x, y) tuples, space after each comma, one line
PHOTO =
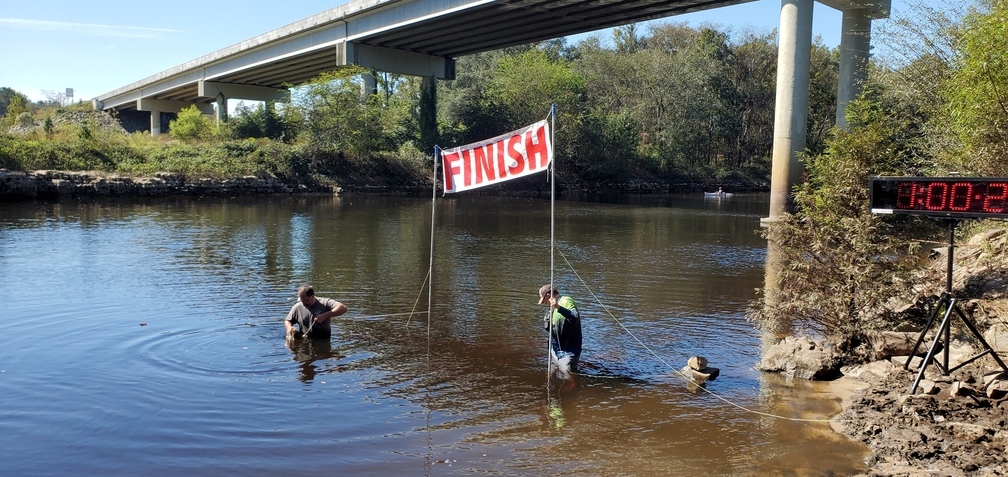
[(505, 157)]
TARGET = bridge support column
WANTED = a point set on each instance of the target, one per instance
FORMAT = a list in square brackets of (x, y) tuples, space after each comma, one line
[(221, 112), (370, 86), (794, 54), (155, 122), (855, 43)]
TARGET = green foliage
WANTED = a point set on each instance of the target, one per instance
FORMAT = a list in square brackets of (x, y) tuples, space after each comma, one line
[(527, 84), (977, 92), (426, 114), (626, 39), (838, 266), (24, 119), (47, 125), (338, 117), (17, 109), (192, 125), (824, 76), (7, 96), (264, 121)]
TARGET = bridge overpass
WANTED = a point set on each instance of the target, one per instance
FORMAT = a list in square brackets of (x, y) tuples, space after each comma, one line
[(424, 37)]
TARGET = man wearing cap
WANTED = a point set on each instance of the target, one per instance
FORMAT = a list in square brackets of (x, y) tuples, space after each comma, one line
[(565, 332)]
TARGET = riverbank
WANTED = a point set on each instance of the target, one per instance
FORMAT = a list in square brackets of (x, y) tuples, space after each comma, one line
[(48, 184), (952, 425), (69, 184)]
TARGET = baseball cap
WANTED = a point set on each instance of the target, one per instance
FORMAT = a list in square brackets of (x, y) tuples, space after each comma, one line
[(545, 292)]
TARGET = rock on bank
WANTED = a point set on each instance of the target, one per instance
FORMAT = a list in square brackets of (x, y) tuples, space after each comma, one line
[(64, 184)]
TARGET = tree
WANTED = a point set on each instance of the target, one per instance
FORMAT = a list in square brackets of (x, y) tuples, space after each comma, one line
[(626, 39), (916, 57), (839, 268), (192, 125), (337, 117), (16, 105), (7, 95), (977, 92), (824, 76), (753, 74)]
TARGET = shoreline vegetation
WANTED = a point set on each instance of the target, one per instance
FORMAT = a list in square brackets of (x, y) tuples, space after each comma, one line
[(852, 287), (89, 155)]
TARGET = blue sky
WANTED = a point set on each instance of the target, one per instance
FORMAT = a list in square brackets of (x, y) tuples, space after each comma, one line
[(96, 47)]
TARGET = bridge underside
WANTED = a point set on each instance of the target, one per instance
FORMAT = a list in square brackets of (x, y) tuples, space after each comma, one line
[(399, 36)]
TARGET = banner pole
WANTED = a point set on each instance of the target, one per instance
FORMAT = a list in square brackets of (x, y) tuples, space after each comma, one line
[(430, 270), (552, 189), (549, 312)]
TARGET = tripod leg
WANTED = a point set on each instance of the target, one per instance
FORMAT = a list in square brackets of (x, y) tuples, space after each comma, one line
[(976, 333), (931, 351), (934, 314)]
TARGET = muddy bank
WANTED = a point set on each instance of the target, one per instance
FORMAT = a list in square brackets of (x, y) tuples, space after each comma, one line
[(952, 424), (946, 429)]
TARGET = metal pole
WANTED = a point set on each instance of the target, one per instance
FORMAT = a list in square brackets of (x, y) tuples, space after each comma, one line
[(430, 283), (951, 251)]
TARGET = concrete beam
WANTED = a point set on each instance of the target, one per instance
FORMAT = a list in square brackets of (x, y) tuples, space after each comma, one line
[(160, 105), (873, 9), (397, 61), (211, 89)]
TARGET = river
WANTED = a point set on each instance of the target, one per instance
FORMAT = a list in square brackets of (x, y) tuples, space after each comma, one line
[(144, 337)]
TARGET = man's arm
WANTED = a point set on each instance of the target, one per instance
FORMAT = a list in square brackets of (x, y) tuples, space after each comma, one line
[(335, 309), (569, 314), (288, 322)]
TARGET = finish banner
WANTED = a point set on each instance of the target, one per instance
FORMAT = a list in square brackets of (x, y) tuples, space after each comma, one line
[(505, 157)]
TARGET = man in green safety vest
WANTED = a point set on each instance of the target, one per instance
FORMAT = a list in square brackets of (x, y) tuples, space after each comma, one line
[(564, 323)]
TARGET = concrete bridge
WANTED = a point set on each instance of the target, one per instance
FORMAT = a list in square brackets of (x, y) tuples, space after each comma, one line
[(423, 38)]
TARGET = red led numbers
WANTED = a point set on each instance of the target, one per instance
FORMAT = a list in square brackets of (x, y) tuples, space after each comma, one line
[(994, 202), (940, 196)]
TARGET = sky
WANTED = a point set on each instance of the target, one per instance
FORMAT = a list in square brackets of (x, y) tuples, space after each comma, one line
[(94, 47)]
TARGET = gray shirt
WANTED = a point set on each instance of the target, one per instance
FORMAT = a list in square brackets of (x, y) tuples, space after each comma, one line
[(301, 315)]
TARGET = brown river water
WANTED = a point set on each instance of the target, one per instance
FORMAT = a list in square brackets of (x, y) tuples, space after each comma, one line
[(145, 338)]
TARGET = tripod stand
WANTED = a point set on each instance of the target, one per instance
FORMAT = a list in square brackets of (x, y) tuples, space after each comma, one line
[(950, 305)]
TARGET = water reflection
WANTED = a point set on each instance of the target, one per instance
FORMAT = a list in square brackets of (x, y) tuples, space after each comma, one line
[(314, 356)]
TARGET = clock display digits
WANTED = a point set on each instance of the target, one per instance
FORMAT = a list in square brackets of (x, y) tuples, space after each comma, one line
[(955, 197), (994, 201)]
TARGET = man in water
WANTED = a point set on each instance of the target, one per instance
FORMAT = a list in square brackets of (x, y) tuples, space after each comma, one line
[(312, 315), (565, 332)]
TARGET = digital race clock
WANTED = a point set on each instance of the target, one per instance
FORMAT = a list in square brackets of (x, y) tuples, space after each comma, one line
[(955, 197)]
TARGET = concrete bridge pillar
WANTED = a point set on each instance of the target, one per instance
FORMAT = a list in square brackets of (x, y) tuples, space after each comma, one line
[(370, 85), (794, 53), (855, 43), (155, 122), (221, 112)]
